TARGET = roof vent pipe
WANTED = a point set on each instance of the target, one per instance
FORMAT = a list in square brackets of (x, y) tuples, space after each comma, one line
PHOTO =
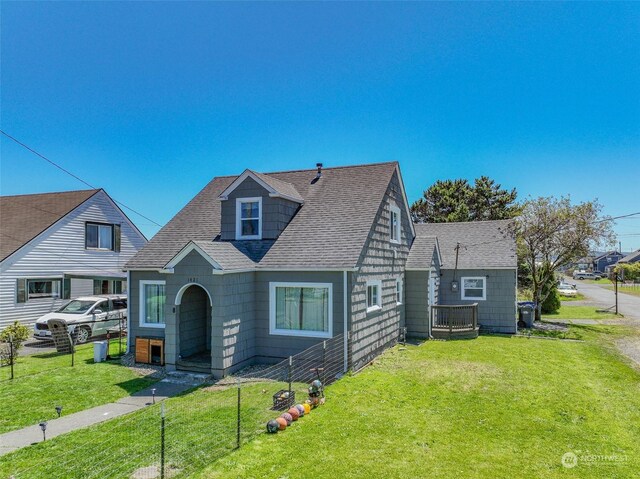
[(319, 174)]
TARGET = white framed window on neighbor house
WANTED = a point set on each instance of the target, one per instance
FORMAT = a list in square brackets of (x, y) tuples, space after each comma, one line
[(301, 309), (395, 223), (374, 295), (152, 301), (102, 236), (474, 288), (249, 218), (399, 290)]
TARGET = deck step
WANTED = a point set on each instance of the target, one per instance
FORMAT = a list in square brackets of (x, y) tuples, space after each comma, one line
[(455, 334)]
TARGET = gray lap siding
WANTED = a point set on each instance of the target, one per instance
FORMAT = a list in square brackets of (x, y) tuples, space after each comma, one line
[(498, 312)]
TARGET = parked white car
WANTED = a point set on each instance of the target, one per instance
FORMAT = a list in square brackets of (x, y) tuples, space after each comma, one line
[(568, 290), (86, 316)]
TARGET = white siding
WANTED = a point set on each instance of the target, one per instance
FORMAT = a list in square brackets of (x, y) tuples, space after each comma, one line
[(61, 249)]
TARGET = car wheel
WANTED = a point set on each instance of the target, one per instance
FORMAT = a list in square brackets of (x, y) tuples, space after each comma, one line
[(83, 334)]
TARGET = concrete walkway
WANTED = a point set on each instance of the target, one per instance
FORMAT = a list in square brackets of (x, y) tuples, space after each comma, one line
[(170, 386)]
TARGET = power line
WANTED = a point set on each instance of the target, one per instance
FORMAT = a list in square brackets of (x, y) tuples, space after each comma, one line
[(27, 147)]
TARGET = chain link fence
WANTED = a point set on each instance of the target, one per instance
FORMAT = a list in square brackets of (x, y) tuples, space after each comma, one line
[(60, 342)]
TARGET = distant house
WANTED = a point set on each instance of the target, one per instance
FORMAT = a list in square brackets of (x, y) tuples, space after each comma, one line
[(260, 266), (56, 246), (584, 264), (631, 258), (603, 260)]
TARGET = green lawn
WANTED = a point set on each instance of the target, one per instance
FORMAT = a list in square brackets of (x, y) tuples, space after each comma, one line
[(485, 408), (43, 381), (626, 289), (201, 426), (577, 297), (569, 311), (491, 407)]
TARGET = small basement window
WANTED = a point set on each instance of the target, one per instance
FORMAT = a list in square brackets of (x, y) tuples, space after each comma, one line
[(374, 295), (249, 218), (474, 288)]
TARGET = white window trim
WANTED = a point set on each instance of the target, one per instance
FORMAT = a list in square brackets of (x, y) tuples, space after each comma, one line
[(399, 283), (292, 332), (239, 202), (394, 209), (378, 305), (463, 290), (142, 304)]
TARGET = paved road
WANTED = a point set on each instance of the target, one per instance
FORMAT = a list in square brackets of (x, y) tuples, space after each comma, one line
[(628, 305)]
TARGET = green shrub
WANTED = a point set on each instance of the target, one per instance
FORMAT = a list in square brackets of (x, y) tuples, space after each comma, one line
[(552, 303), (19, 333)]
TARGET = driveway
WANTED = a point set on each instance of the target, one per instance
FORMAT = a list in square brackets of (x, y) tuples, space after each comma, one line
[(628, 305)]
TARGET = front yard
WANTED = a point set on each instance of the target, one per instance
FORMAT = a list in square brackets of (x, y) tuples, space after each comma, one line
[(485, 408), (43, 381), (491, 407)]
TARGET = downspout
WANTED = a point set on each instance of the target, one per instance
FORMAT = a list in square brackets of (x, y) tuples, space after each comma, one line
[(128, 311), (345, 321)]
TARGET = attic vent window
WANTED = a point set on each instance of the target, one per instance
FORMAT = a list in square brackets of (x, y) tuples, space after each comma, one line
[(249, 218)]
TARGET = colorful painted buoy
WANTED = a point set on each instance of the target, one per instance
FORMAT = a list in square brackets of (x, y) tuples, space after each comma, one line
[(273, 426), (287, 417), (295, 414), (307, 408), (282, 423), (300, 409)]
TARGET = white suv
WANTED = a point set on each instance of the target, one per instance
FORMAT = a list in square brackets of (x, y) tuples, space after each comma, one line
[(86, 316), (585, 275)]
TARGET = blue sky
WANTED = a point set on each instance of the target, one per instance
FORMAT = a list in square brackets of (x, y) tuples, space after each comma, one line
[(151, 100)]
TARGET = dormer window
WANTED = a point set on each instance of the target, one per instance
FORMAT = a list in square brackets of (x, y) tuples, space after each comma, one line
[(248, 218), (394, 224)]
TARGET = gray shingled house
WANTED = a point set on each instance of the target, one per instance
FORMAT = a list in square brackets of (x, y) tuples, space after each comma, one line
[(260, 266)]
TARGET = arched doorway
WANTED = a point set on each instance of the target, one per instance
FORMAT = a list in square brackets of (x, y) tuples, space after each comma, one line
[(194, 324)]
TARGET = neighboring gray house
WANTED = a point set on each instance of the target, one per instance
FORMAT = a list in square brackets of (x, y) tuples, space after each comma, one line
[(478, 264), (610, 258), (261, 266), (56, 246), (631, 258)]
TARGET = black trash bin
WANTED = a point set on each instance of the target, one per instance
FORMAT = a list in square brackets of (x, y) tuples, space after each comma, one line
[(526, 313)]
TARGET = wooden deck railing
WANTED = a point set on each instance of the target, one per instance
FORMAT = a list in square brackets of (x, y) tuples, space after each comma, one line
[(454, 319)]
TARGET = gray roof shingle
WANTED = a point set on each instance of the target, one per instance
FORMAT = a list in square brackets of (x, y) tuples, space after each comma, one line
[(483, 244), (631, 257), (329, 230), (23, 217), (421, 253)]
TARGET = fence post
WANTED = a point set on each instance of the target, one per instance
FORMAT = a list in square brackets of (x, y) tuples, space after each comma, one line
[(346, 351), (324, 361), (238, 424), (11, 354), (120, 337), (162, 441), (290, 377)]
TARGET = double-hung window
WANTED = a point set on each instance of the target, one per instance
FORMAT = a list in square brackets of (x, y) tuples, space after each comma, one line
[(399, 290), (249, 218), (102, 236), (394, 224), (474, 288), (152, 302), (301, 309), (374, 295)]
